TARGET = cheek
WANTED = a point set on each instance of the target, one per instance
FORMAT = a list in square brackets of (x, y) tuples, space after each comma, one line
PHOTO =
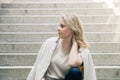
[(67, 32)]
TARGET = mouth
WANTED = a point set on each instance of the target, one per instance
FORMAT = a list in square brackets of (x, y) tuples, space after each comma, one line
[(59, 33)]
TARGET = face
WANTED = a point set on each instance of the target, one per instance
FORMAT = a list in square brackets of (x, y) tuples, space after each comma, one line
[(63, 30)]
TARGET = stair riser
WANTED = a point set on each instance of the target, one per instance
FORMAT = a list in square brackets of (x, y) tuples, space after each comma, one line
[(91, 37), (21, 74), (37, 19), (117, 4), (54, 1), (54, 5), (58, 12), (28, 60), (106, 59), (53, 28), (94, 48)]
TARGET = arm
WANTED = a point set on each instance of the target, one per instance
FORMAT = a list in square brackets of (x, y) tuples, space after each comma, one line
[(75, 58), (43, 79)]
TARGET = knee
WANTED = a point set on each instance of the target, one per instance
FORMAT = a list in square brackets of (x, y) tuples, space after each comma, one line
[(74, 74), (75, 70)]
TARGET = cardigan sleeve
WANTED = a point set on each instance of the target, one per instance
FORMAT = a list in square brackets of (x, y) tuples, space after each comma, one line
[(32, 73), (43, 59), (89, 70)]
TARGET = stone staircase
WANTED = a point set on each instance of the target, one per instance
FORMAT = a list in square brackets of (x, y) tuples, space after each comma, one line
[(25, 24)]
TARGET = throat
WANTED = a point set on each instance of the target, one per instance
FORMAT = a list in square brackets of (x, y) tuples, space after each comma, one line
[(66, 48)]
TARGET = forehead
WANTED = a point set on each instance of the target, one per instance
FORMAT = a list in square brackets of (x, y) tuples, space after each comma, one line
[(62, 21)]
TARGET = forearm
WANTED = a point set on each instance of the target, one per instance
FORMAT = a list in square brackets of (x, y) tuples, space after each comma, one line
[(43, 78), (74, 57)]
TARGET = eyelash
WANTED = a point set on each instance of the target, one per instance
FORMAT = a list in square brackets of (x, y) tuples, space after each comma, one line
[(62, 26)]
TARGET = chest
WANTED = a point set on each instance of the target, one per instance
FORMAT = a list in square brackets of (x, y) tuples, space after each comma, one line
[(60, 59)]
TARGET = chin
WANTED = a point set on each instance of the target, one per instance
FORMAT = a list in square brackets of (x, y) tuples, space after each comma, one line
[(60, 37)]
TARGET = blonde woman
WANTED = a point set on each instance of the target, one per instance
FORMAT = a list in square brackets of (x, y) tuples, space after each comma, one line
[(65, 57)]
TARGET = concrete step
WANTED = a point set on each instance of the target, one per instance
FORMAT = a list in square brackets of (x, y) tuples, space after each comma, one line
[(32, 47), (0, 6), (100, 59), (56, 18), (54, 4), (41, 36), (117, 4), (42, 1), (103, 73), (29, 54), (106, 59), (53, 27), (35, 1), (17, 60), (105, 47), (57, 11), (108, 73), (58, 0)]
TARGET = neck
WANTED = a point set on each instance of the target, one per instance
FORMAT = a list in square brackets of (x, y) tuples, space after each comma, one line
[(67, 43)]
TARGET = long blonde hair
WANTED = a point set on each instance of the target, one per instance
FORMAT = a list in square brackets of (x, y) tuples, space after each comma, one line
[(75, 25)]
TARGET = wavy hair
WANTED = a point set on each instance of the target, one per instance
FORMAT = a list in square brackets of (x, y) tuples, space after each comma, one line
[(75, 25)]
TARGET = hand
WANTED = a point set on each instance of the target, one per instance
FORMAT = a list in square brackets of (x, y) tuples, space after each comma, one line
[(43, 79), (74, 57), (74, 45)]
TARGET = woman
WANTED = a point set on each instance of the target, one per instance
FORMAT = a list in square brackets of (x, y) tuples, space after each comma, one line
[(60, 58)]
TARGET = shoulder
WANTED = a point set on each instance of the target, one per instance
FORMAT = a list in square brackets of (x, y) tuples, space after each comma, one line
[(85, 50), (85, 53), (51, 40)]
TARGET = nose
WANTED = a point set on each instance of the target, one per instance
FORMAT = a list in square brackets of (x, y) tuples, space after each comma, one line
[(58, 28)]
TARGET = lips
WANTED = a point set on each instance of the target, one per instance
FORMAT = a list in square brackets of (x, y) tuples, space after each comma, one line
[(59, 33)]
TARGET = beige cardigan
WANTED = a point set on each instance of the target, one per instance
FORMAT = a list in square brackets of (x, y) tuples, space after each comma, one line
[(44, 57)]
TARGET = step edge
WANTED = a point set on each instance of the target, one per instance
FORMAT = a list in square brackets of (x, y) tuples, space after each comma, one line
[(3, 43), (112, 14), (54, 32), (56, 8), (29, 67), (35, 54), (84, 23)]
